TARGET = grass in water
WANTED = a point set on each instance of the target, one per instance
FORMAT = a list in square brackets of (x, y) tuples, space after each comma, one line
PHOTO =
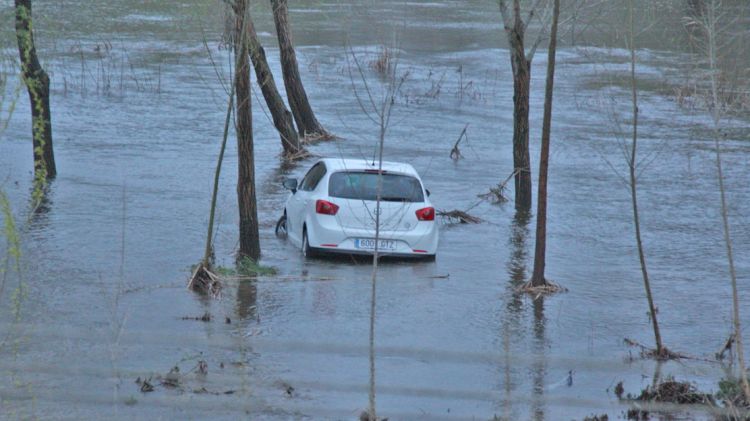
[(247, 267)]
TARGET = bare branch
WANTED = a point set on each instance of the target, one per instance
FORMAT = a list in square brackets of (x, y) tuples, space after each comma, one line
[(361, 72), (360, 102)]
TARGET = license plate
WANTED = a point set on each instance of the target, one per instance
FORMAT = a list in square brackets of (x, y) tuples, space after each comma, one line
[(369, 244)]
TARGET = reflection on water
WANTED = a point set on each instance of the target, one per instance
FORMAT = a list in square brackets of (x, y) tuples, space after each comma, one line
[(247, 300), (517, 268), (511, 328), (516, 265), (539, 359), (40, 203)]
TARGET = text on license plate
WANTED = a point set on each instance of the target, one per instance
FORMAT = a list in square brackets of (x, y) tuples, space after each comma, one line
[(369, 244)]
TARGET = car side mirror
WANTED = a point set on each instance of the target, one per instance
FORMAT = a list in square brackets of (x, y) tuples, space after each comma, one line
[(290, 184), (427, 191)]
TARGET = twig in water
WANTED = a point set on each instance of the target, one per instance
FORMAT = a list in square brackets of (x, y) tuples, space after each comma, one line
[(727, 347), (664, 355), (497, 194), (459, 216), (455, 152)]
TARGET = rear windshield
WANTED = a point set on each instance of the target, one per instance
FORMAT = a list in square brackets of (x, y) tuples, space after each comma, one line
[(364, 186)]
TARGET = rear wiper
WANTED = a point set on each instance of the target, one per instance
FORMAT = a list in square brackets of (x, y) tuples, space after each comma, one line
[(394, 199)]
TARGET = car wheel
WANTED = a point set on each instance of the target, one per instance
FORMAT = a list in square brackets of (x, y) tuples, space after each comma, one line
[(307, 251), (281, 230)]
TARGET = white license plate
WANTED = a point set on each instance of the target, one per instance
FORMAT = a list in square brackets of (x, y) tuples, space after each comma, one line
[(369, 244)]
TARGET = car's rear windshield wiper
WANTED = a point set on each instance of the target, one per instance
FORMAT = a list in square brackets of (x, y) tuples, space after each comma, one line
[(394, 199)]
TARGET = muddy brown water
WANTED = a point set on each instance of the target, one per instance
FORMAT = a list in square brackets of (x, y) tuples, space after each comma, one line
[(138, 114)]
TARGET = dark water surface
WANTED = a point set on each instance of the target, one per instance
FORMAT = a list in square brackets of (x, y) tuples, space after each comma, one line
[(138, 115)]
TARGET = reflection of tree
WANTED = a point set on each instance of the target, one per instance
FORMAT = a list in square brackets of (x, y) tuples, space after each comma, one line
[(247, 299), (508, 382), (324, 299), (657, 374), (247, 303), (539, 365), (516, 266), (41, 204), (518, 256)]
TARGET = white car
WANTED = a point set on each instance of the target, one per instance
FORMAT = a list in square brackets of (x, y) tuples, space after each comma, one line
[(334, 210)]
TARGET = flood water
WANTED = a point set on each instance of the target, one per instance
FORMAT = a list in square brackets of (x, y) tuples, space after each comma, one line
[(138, 114)]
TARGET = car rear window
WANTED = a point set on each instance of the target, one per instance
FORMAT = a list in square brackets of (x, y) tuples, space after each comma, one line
[(364, 186)]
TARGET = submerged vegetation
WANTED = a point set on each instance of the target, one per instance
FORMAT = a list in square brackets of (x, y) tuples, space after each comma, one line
[(247, 267)]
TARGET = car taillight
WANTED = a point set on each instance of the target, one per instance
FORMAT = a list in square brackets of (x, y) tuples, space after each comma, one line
[(325, 207), (426, 214)]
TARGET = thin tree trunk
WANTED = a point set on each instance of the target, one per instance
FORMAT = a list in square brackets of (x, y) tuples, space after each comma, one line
[(217, 173), (38, 85), (304, 116), (375, 259), (633, 190), (249, 241), (537, 277), (521, 87), (711, 33), (282, 118)]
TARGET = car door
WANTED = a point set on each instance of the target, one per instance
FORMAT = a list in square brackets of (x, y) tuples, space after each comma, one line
[(299, 203)]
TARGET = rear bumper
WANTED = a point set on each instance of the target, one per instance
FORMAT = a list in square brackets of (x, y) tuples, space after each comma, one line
[(325, 235), (355, 252)]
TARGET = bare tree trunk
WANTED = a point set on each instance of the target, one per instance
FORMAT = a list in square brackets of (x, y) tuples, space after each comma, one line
[(249, 241), (206, 262), (540, 248), (282, 118), (304, 116), (372, 409), (633, 191), (521, 86), (38, 85)]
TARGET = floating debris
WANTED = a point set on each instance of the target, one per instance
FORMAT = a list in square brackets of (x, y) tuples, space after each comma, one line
[(202, 368), (619, 390), (146, 385), (205, 281), (172, 379), (458, 216)]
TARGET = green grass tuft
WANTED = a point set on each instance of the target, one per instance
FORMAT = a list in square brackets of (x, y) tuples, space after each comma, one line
[(247, 267)]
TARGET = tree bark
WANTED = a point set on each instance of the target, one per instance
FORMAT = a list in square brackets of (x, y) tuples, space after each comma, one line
[(304, 116), (282, 118), (521, 86), (38, 85), (249, 239), (537, 277)]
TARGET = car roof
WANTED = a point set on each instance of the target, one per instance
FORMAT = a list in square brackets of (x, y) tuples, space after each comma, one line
[(338, 164)]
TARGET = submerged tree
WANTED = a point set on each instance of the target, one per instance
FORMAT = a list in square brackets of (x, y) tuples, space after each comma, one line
[(661, 352), (520, 61), (282, 118), (38, 85), (203, 278), (379, 111), (304, 116), (540, 248), (248, 209)]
